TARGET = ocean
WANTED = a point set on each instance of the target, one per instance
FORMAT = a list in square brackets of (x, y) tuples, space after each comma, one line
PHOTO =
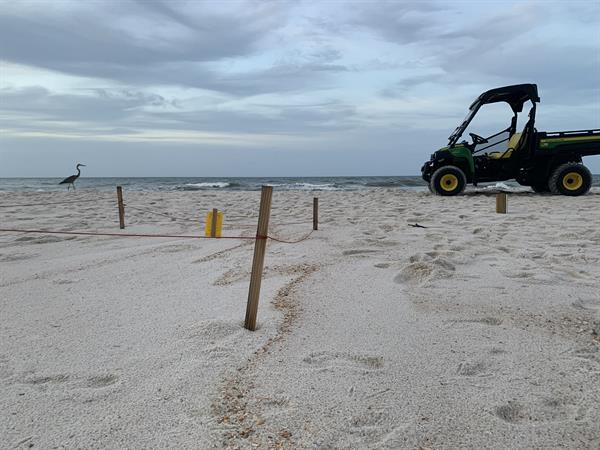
[(220, 183), (232, 183)]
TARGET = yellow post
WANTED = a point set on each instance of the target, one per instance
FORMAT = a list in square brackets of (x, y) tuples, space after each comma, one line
[(213, 224)]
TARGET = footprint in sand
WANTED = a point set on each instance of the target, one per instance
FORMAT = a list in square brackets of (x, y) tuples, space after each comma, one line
[(329, 360), (46, 379), (497, 351), (381, 241), (231, 276), (587, 304), (590, 353), (5, 370), (25, 238), (218, 351), (211, 331), (275, 403), (100, 381), (418, 257), (173, 248), (473, 369), (489, 321), (17, 257), (521, 274), (548, 409), (358, 252), (368, 420), (492, 321), (419, 272), (45, 239), (377, 428), (416, 272), (63, 281), (512, 412)]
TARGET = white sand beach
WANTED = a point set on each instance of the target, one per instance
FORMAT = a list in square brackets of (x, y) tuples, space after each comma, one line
[(481, 330)]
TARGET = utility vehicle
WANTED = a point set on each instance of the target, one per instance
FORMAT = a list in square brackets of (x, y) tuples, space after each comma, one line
[(546, 161)]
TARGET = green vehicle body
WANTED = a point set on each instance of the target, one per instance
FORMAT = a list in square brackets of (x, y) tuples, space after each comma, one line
[(554, 143), (461, 154), (536, 157)]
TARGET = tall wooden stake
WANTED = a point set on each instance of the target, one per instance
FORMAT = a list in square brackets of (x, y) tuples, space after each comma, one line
[(501, 203), (315, 213), (213, 228), (121, 207), (259, 257)]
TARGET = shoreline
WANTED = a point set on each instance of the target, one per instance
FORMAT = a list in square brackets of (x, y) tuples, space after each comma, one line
[(243, 184)]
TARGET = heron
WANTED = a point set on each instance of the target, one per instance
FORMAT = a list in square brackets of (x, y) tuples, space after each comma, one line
[(71, 180)]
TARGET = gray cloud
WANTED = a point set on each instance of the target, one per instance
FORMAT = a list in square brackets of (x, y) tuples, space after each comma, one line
[(95, 105), (89, 42), (508, 24), (568, 73), (128, 111), (507, 47), (406, 85), (93, 35), (400, 22)]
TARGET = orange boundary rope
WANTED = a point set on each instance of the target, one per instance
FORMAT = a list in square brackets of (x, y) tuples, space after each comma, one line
[(91, 233), (291, 242)]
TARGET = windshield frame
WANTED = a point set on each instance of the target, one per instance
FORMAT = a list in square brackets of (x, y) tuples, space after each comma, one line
[(457, 133)]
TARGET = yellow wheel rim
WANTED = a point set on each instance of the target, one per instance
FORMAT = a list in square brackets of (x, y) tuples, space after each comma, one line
[(449, 182), (572, 181)]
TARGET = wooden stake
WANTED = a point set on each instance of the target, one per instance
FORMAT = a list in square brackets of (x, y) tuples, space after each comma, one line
[(315, 213), (501, 203), (259, 257), (121, 207), (213, 228)]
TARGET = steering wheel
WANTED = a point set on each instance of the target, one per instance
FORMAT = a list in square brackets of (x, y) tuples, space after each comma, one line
[(478, 139)]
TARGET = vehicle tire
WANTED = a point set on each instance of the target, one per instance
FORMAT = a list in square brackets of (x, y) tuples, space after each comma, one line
[(540, 188), (570, 179), (448, 180)]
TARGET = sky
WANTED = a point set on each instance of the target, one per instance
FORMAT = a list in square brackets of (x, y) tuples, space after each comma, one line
[(277, 88)]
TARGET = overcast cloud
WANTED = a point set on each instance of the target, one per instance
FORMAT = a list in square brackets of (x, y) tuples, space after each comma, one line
[(251, 88)]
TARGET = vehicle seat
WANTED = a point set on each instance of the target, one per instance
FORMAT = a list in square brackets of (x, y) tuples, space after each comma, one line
[(513, 144)]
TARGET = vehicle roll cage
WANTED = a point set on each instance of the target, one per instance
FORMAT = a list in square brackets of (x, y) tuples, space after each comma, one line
[(515, 95)]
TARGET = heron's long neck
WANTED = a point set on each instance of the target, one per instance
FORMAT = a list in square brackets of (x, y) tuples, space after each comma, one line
[(78, 171)]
